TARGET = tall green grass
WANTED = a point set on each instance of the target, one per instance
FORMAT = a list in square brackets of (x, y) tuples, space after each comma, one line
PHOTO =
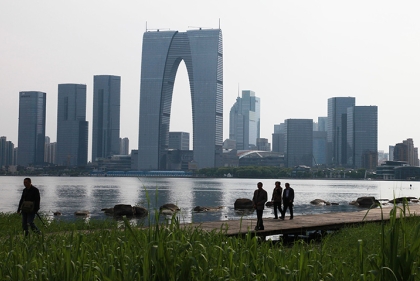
[(100, 250)]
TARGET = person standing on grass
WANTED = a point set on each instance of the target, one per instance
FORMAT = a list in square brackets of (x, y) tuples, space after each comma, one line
[(29, 206), (259, 199), (276, 199), (288, 198)]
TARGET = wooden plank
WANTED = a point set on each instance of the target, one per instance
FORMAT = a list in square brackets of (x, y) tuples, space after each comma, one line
[(304, 223)]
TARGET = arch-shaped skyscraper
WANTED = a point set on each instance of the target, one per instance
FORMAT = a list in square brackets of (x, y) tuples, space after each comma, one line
[(202, 52)]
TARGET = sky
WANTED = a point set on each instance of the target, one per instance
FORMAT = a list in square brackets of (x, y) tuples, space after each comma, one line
[(294, 55)]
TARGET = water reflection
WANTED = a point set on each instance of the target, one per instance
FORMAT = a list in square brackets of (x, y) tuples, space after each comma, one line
[(71, 194)]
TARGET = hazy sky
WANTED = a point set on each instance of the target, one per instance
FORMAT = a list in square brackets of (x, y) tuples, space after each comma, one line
[(293, 54)]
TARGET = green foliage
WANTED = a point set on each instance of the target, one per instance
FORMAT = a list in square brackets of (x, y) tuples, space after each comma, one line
[(108, 250)]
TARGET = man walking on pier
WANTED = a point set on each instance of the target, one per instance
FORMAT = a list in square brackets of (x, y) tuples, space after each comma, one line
[(288, 198), (259, 199), (276, 199)]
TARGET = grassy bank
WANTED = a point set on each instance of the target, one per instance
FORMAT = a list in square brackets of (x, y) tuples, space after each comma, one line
[(101, 250)]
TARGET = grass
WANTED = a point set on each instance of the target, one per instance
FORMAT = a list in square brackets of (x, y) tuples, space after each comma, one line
[(100, 250)]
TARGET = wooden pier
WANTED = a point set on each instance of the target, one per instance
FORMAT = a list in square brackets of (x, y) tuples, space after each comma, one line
[(300, 225)]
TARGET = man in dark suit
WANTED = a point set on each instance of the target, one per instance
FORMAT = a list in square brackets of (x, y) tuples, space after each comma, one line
[(259, 199), (288, 198)]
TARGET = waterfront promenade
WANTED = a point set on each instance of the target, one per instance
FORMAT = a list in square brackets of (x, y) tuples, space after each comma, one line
[(301, 224)]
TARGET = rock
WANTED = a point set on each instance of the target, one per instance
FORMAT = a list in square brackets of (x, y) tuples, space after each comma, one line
[(169, 207), (140, 211), (354, 203), (367, 201), (335, 204), (81, 213), (200, 209), (319, 202), (123, 210), (57, 214), (206, 209), (108, 211), (243, 204)]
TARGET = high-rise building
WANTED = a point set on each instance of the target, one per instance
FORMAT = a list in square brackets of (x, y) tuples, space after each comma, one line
[(263, 144), (320, 147), (406, 151), (278, 138), (106, 116), (337, 129), (322, 124), (179, 140), (72, 127), (31, 133), (6, 152), (362, 137), (202, 52), (298, 144), (50, 155), (391, 152), (124, 146), (244, 122)]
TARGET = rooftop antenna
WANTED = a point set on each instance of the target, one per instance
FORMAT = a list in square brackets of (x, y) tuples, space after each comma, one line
[(238, 90), (219, 23)]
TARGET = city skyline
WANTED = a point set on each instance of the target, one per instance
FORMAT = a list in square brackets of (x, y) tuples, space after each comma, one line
[(294, 55)]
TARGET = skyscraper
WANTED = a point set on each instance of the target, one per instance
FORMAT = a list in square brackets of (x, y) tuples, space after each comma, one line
[(31, 133), (244, 122), (6, 152), (362, 137), (337, 129), (278, 138), (106, 116), (202, 52), (124, 146), (406, 151), (298, 144), (72, 127)]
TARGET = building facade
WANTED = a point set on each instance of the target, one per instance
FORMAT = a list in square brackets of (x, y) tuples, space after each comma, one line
[(179, 140), (202, 52), (124, 146), (320, 147), (72, 127), (406, 151), (31, 132), (106, 116), (6, 152), (278, 138), (337, 129), (298, 142), (244, 121), (362, 137)]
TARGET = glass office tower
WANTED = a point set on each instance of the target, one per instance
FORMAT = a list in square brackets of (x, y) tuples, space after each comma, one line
[(362, 137), (202, 52), (298, 142), (72, 127), (31, 133), (106, 116), (337, 129), (244, 121)]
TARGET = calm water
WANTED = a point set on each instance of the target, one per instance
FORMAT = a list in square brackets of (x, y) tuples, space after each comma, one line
[(70, 194)]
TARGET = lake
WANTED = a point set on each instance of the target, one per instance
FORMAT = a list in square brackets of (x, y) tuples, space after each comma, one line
[(70, 194)]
